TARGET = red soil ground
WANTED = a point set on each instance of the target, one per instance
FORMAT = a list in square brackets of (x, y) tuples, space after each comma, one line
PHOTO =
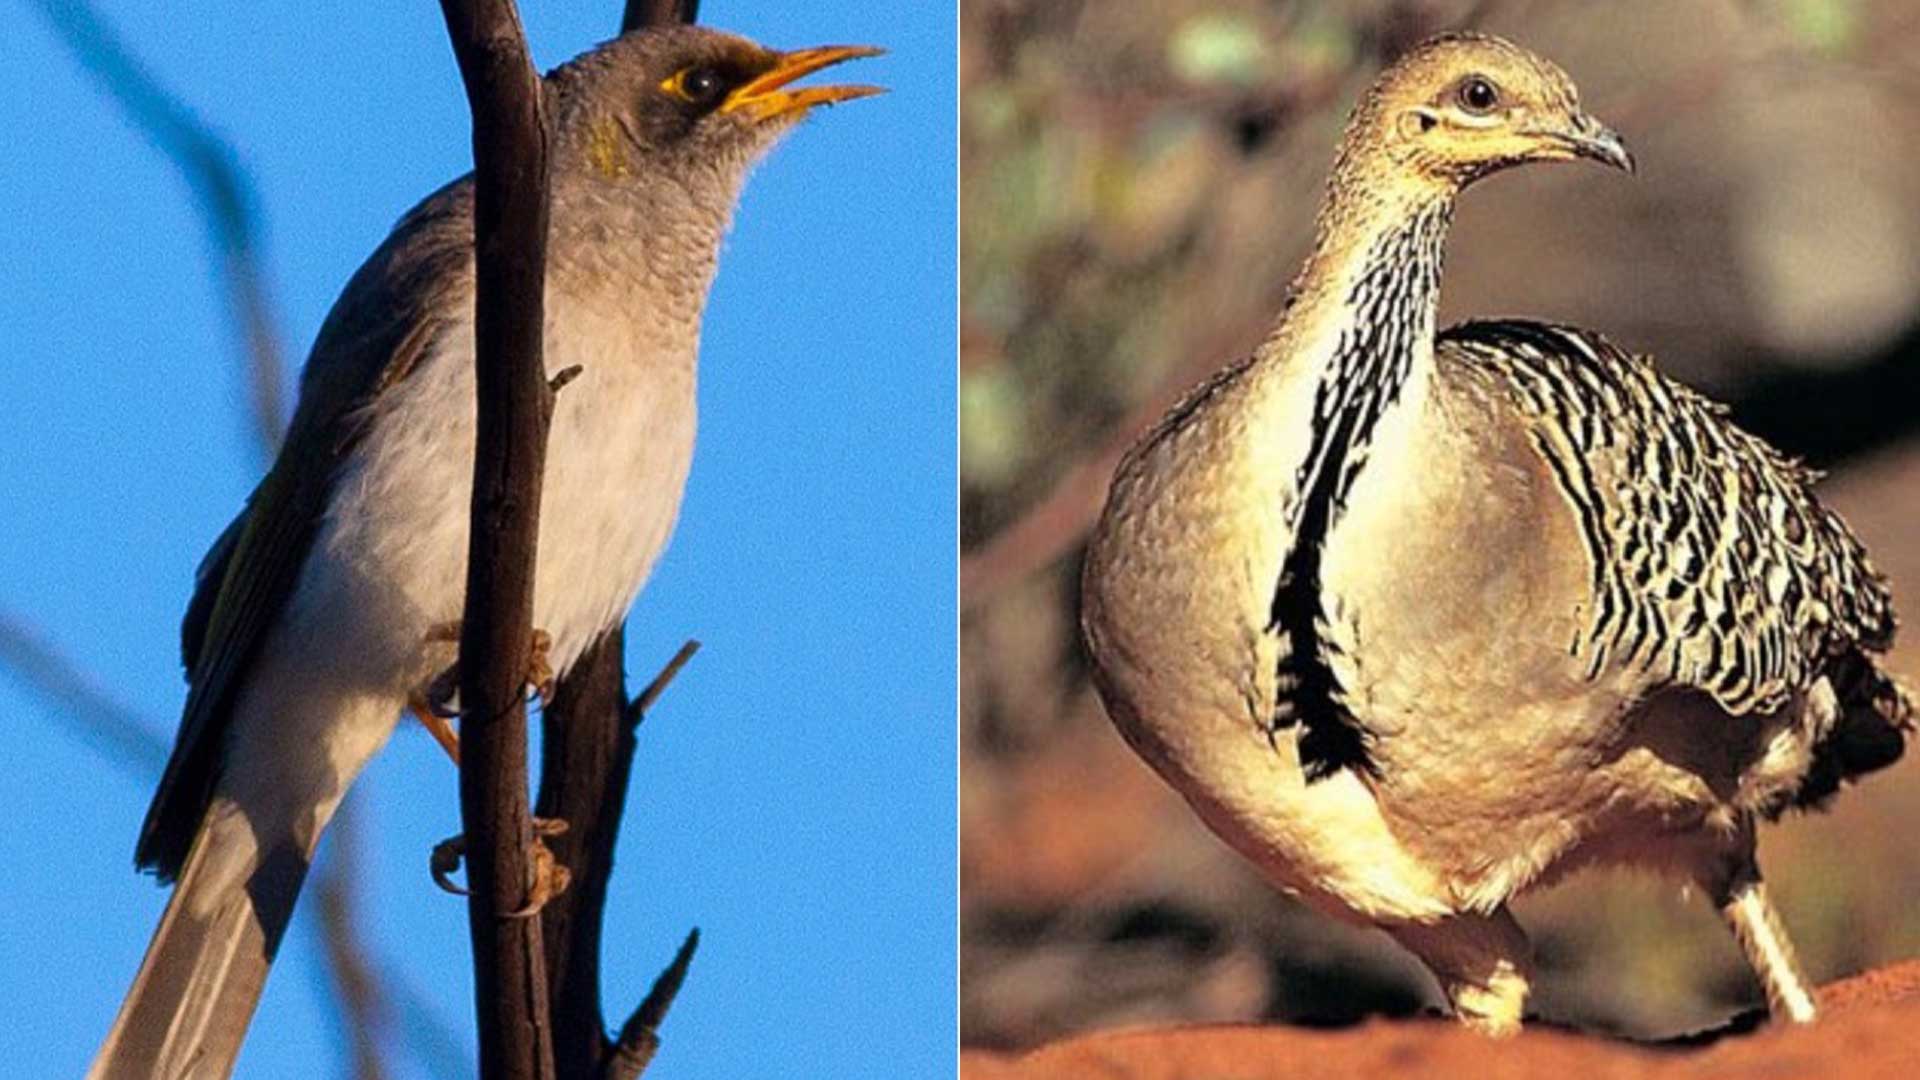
[(1869, 1029)]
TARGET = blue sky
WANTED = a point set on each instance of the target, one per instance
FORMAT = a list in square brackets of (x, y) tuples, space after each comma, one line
[(794, 792)]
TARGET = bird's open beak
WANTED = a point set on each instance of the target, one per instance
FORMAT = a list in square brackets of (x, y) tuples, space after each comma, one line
[(766, 97), (1595, 141)]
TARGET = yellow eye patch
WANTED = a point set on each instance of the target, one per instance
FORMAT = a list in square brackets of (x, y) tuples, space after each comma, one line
[(676, 84), (699, 84)]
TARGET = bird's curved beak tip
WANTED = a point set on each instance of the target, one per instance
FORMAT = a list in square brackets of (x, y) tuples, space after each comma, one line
[(1596, 141)]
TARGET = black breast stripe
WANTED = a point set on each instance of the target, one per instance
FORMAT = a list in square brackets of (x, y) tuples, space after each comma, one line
[(1371, 362)]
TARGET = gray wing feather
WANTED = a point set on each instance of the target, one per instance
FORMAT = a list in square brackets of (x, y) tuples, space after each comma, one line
[(385, 322)]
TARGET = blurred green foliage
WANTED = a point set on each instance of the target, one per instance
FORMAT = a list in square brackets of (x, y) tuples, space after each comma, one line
[(1829, 26)]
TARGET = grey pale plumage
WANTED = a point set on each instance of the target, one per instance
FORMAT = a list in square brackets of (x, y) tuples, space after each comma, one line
[(319, 614)]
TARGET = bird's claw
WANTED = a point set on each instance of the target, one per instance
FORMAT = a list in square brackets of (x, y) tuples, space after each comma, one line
[(440, 701), (442, 698), (550, 876), (443, 693), (539, 665), (445, 860)]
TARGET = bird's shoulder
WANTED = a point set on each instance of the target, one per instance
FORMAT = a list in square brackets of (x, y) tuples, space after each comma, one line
[(384, 323)]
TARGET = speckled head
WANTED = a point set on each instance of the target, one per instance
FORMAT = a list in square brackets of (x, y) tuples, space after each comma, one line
[(686, 103), (1461, 106)]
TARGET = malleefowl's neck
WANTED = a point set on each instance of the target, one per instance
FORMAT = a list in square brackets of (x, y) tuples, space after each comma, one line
[(1356, 337), (1361, 320)]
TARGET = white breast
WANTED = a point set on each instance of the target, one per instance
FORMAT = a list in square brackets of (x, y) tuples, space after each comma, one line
[(389, 563)]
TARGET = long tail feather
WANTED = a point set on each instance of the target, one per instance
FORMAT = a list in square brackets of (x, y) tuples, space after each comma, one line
[(190, 1005)]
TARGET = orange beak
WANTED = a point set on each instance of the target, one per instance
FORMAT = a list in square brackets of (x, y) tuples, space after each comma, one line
[(766, 97)]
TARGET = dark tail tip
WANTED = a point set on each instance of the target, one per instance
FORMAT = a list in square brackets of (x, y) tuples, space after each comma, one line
[(1876, 715)]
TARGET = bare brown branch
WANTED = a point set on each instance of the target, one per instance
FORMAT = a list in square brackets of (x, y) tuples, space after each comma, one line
[(586, 768), (637, 711), (641, 13), (640, 1035), (586, 764), (116, 730), (515, 405)]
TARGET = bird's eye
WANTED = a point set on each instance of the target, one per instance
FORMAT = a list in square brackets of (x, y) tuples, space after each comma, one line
[(697, 85), (702, 83), (1478, 95)]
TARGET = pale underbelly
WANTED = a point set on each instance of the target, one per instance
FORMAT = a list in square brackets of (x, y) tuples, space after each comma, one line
[(387, 569)]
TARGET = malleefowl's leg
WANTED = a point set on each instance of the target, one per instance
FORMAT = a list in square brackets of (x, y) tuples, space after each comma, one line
[(1484, 964), (1733, 882)]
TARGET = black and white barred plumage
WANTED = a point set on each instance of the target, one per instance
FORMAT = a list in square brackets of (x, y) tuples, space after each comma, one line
[(1714, 566)]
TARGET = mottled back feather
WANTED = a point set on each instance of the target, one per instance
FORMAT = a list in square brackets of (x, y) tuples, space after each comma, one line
[(1714, 565)]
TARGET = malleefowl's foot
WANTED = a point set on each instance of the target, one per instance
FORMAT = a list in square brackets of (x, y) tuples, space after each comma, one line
[(550, 878), (1484, 965), (1492, 1006)]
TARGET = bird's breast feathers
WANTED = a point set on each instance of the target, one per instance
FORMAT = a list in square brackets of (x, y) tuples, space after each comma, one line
[(389, 564)]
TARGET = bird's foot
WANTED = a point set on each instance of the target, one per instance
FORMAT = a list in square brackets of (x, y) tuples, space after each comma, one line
[(1494, 1006), (550, 877), (429, 711), (540, 665), (440, 701), (1483, 963)]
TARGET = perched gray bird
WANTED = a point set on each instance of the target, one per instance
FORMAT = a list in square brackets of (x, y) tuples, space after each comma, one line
[(1416, 623), (324, 610)]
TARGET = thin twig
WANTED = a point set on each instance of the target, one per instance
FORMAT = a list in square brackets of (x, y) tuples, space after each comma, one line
[(113, 728), (366, 1014), (564, 376), (226, 198), (640, 1035), (641, 13), (586, 764), (637, 709), (131, 742), (221, 190)]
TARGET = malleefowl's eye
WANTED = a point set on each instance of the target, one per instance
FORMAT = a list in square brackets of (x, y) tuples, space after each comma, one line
[(697, 85), (1478, 95)]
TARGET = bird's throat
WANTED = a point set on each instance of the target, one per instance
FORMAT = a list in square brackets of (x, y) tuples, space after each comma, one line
[(1367, 323)]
